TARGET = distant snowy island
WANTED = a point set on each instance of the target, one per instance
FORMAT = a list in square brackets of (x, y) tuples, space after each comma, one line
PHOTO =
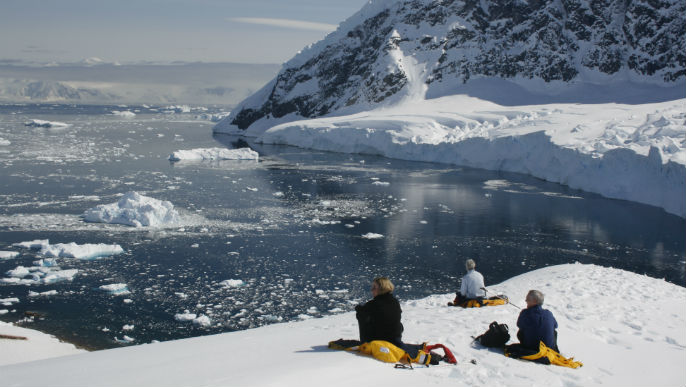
[(619, 324)]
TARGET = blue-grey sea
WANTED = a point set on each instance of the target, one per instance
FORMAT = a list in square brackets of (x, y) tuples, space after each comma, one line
[(288, 229)]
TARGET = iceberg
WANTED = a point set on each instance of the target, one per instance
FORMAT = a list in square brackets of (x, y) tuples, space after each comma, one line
[(372, 235), (214, 154), (136, 210), (85, 251), (4, 142)]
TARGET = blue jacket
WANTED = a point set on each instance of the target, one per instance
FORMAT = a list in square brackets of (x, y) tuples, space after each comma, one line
[(537, 324)]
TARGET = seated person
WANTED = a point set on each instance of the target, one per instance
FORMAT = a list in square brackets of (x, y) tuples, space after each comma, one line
[(379, 318), (536, 324), (472, 287)]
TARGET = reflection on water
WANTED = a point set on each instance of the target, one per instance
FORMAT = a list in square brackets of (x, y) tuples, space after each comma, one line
[(287, 229)]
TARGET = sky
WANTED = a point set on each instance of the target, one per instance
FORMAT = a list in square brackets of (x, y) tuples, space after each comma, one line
[(133, 31)]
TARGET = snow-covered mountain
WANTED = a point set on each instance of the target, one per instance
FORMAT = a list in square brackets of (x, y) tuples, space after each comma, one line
[(393, 50)]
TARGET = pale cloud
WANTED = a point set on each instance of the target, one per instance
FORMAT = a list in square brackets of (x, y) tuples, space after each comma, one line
[(285, 23)]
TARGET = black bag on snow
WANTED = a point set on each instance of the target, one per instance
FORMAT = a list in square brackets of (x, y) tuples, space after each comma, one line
[(496, 336)]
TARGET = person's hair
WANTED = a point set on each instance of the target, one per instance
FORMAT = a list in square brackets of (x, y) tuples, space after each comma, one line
[(384, 284), (470, 264), (536, 296)]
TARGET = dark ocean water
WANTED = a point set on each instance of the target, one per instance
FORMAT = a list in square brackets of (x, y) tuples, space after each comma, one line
[(289, 227)]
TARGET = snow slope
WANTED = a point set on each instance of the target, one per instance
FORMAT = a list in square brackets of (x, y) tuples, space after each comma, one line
[(626, 328), (38, 346)]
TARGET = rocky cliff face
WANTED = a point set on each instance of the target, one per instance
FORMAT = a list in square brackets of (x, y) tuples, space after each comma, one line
[(398, 49)]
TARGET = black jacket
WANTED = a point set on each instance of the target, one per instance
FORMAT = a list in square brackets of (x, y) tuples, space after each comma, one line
[(379, 319)]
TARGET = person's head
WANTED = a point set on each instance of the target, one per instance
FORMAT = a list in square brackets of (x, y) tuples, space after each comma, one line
[(381, 285), (470, 264), (533, 298)]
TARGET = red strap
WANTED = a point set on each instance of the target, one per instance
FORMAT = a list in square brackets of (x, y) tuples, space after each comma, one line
[(448, 354)]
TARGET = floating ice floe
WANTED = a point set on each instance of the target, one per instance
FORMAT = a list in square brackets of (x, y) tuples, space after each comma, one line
[(232, 283), (85, 251), (36, 244), (43, 294), (214, 154), (8, 254), (124, 113), (46, 124), (35, 275), (372, 235), (115, 289), (136, 210), (185, 317), (4, 142), (202, 321), (8, 301)]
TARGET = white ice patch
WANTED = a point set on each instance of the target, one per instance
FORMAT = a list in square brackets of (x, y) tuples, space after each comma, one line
[(43, 294), (185, 317), (85, 251), (214, 154), (46, 124), (232, 283), (8, 254), (9, 301), (136, 210), (115, 289), (371, 235), (124, 113), (35, 275), (36, 244), (4, 142), (202, 321)]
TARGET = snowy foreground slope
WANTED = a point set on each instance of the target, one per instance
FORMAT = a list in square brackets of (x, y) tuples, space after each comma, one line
[(627, 329), (632, 152)]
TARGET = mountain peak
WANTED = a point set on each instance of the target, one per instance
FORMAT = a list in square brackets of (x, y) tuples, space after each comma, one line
[(394, 50)]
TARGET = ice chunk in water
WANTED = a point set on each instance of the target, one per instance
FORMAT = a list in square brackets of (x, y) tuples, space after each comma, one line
[(115, 289), (136, 210), (85, 251)]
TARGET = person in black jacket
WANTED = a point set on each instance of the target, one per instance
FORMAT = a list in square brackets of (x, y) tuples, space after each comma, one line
[(379, 318)]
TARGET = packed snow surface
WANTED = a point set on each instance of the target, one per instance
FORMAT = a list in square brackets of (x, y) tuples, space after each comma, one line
[(626, 328), (632, 152), (214, 154), (46, 124), (136, 210), (37, 346)]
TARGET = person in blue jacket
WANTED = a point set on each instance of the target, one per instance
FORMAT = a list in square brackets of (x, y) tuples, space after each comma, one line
[(537, 324)]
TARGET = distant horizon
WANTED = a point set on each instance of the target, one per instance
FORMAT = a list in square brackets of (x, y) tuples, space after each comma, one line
[(166, 31)]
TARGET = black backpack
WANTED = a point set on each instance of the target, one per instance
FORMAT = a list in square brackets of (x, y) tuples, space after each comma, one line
[(496, 336)]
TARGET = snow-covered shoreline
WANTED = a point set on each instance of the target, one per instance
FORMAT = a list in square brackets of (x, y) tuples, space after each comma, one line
[(631, 152), (626, 328)]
